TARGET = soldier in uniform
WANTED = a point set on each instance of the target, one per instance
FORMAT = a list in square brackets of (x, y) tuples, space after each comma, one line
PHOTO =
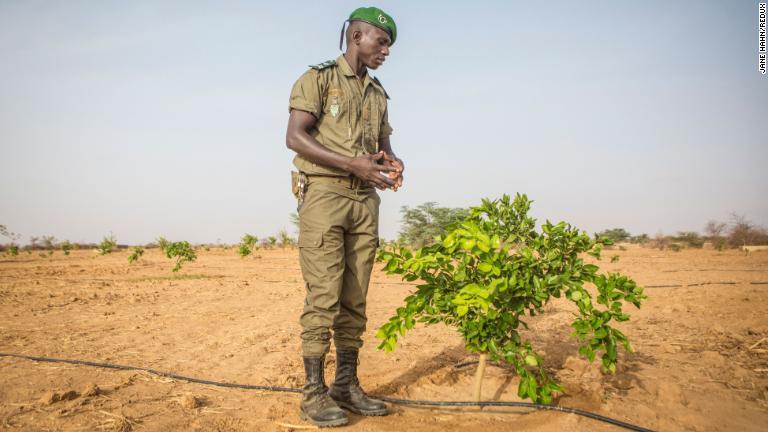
[(339, 129)]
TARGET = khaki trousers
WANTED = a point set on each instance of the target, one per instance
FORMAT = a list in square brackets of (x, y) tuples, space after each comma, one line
[(338, 237)]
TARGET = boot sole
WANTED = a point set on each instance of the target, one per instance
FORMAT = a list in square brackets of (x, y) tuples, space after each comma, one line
[(371, 413), (328, 423)]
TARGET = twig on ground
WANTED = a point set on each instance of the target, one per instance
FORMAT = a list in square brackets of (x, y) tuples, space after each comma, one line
[(757, 343)]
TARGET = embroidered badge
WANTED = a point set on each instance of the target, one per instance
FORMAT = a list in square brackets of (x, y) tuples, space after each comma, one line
[(334, 107), (382, 19), (333, 98)]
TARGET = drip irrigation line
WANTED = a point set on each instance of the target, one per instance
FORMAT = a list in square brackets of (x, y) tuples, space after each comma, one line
[(396, 401), (704, 283)]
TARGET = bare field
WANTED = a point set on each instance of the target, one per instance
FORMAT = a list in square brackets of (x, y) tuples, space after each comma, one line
[(699, 363)]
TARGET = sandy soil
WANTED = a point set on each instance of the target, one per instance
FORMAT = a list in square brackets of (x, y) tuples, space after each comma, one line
[(696, 365)]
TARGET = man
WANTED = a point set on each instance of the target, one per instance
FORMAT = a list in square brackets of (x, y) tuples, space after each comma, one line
[(339, 129)]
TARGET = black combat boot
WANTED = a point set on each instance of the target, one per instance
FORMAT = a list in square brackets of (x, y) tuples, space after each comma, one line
[(346, 390), (316, 406)]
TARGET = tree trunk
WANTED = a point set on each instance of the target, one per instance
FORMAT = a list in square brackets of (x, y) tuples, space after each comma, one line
[(479, 377)]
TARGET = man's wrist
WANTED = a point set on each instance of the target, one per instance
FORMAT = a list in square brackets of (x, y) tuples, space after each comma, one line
[(347, 164)]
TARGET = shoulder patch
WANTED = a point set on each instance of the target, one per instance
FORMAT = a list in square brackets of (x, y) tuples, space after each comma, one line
[(376, 80), (323, 65)]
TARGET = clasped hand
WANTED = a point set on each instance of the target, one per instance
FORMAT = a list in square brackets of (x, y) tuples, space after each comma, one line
[(370, 168)]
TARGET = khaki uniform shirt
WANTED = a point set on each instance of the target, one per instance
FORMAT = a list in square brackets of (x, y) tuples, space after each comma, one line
[(351, 112)]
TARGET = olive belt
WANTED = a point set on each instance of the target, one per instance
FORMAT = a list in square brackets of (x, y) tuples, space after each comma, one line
[(350, 181)]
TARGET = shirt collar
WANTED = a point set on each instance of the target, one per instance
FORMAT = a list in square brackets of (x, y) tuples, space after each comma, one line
[(346, 69)]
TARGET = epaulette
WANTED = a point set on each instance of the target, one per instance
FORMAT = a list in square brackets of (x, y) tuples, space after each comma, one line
[(323, 65), (376, 80)]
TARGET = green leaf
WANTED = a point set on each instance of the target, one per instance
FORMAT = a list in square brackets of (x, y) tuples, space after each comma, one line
[(485, 267), (462, 310), (531, 360), (576, 295), (591, 268)]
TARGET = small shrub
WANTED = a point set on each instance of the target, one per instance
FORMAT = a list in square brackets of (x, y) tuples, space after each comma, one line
[(66, 247), (183, 253), (690, 238), (285, 239), (247, 245), (136, 253), (492, 269), (107, 245), (13, 249), (675, 247), (719, 243)]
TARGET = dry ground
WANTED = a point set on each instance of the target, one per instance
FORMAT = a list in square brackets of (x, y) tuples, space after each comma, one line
[(697, 366)]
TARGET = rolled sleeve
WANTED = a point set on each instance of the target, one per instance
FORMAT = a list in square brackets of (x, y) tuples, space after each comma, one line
[(306, 95)]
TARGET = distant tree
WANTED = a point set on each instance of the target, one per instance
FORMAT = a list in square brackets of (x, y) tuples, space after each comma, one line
[(715, 231), (660, 241), (422, 224), (295, 221), (48, 242), (13, 248), (616, 235), (33, 242), (715, 228), (8, 234), (640, 239), (690, 238), (743, 232)]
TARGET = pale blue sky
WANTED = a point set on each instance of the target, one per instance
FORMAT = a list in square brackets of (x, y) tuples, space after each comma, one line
[(148, 118)]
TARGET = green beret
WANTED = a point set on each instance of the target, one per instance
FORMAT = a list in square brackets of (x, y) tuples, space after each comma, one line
[(377, 17)]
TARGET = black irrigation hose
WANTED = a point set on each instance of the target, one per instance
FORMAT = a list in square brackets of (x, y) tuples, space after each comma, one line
[(704, 283), (384, 398), (699, 284)]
